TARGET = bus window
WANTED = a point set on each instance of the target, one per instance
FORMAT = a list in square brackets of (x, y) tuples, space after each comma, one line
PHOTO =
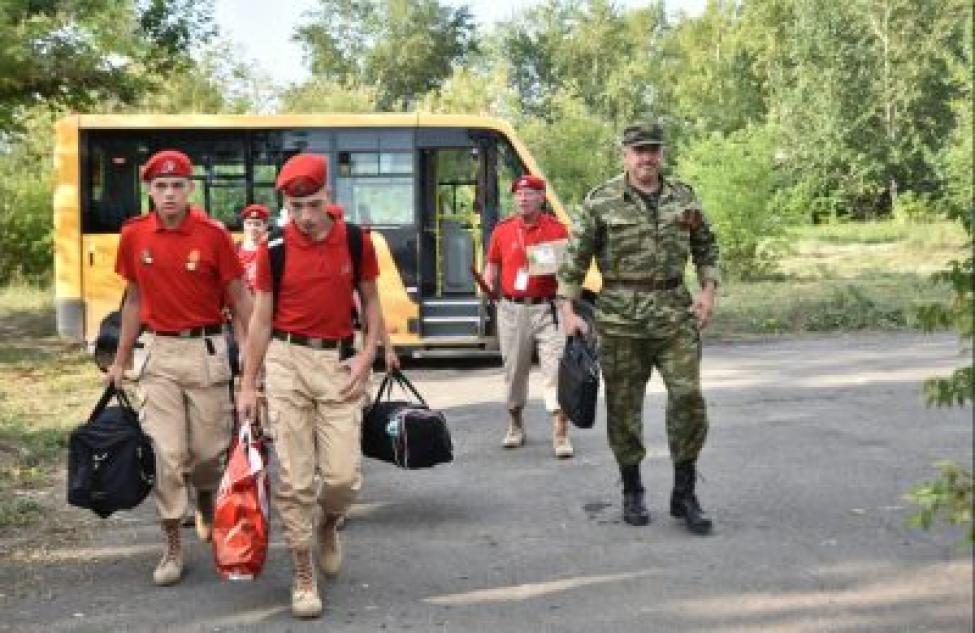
[(263, 188), (112, 188), (376, 188)]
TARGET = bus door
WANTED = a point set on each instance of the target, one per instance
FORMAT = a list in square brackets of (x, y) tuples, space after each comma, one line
[(452, 238)]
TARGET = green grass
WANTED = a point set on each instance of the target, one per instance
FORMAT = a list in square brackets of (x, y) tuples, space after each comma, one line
[(46, 388), (844, 277)]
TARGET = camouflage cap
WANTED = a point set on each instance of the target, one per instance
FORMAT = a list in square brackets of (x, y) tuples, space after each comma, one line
[(643, 134)]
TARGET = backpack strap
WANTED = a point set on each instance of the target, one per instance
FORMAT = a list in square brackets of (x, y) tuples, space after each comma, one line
[(276, 251), (353, 236)]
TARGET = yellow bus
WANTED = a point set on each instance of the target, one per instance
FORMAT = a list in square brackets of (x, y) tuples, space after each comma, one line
[(431, 187)]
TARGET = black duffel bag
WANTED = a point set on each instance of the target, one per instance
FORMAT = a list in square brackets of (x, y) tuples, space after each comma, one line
[(111, 465), (410, 435), (579, 381)]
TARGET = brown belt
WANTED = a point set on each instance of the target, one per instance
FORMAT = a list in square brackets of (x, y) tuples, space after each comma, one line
[(192, 332), (649, 284), (310, 341)]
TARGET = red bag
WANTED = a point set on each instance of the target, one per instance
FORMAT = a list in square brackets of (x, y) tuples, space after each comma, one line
[(241, 524)]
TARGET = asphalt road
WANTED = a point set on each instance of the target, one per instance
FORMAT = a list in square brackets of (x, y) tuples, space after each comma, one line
[(813, 443)]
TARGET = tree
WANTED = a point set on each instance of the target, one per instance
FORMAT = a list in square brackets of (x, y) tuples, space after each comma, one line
[(710, 74), (400, 48), (610, 57), (475, 91), (74, 54), (320, 94), (575, 149), (859, 93)]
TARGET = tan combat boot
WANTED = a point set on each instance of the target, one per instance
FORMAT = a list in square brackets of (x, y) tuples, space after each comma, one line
[(204, 515), (329, 545), (560, 436), (305, 602), (515, 436), (170, 568)]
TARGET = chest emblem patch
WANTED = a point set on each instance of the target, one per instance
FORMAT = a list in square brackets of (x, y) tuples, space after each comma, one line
[(146, 257), (193, 260)]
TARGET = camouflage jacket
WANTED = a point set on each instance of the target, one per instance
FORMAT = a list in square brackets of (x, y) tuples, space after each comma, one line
[(636, 243)]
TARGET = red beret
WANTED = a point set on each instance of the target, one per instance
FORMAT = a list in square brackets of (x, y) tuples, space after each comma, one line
[(168, 163), (335, 210), (254, 212), (303, 175), (528, 181)]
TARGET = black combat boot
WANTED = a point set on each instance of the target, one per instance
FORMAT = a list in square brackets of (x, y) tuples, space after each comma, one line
[(634, 510), (683, 501)]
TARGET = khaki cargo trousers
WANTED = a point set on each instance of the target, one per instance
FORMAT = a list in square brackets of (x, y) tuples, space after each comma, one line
[(520, 328), (187, 413), (315, 431)]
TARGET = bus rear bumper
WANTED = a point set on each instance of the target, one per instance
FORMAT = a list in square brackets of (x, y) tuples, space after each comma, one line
[(70, 318)]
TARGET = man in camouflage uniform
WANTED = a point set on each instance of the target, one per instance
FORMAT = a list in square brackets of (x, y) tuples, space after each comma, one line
[(641, 228)]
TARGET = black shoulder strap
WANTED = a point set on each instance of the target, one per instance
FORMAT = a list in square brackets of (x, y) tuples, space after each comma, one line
[(276, 251), (353, 235)]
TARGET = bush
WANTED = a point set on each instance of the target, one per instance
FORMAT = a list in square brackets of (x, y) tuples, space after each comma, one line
[(26, 216), (916, 208), (735, 178), (26, 226)]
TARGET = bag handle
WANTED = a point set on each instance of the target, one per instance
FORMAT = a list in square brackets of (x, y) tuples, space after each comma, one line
[(110, 391), (404, 383)]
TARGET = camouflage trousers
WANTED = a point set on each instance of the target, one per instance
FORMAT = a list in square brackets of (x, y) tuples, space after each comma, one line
[(627, 364)]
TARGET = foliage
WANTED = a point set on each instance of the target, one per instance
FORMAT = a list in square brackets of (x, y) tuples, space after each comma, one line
[(711, 73), (325, 95), (949, 497), (611, 57), (577, 151), (860, 93), (400, 48), (76, 54), (735, 178), (910, 207), (26, 219), (474, 91)]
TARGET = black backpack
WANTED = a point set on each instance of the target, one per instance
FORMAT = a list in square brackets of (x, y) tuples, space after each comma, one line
[(579, 381), (111, 465)]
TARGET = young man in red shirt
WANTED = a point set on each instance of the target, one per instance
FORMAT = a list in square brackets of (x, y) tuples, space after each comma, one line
[(526, 311), (303, 323), (179, 267), (254, 221)]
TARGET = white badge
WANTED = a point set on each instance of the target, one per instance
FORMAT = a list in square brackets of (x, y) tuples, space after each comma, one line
[(521, 280)]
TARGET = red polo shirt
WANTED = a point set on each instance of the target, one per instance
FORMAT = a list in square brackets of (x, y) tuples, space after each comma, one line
[(182, 273), (508, 246), (316, 287), (248, 261)]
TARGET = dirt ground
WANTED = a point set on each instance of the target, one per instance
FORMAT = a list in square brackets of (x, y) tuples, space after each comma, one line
[(813, 443)]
